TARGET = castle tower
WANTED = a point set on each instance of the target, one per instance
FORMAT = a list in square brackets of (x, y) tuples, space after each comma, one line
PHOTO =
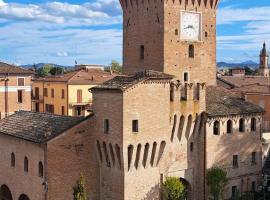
[(264, 57), (175, 37)]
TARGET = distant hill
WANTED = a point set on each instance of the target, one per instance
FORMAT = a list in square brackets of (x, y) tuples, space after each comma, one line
[(248, 63), (41, 65)]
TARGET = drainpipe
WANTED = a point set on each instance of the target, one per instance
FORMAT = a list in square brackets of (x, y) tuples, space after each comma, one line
[(6, 95), (45, 184)]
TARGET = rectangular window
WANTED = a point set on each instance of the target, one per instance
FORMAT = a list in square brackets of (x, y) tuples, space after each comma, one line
[(63, 110), (20, 96), (21, 82), (46, 107), (253, 158), (37, 107), (235, 161), (135, 126), (49, 108), (52, 93), (234, 191), (36, 93), (63, 94), (253, 186), (106, 126), (79, 96), (142, 52), (45, 92)]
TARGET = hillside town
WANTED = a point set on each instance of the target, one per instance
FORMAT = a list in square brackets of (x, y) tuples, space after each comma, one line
[(165, 124)]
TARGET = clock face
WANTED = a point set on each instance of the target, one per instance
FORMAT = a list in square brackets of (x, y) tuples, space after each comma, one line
[(191, 26)]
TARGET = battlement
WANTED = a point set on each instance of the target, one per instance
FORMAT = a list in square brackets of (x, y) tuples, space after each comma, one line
[(208, 4), (187, 91)]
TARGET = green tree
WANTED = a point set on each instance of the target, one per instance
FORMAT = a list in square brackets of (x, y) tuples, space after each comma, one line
[(57, 70), (79, 191), (45, 70), (114, 66), (216, 179), (249, 71), (173, 189)]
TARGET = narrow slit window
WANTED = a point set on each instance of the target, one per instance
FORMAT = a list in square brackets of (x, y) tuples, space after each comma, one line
[(142, 51), (106, 126), (135, 126)]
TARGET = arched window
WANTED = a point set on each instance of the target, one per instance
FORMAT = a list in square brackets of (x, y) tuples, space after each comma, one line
[(26, 164), (40, 169), (241, 125), (176, 31), (253, 124), (216, 128), (13, 162), (191, 51), (229, 127)]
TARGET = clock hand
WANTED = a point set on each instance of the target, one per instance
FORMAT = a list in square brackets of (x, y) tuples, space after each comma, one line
[(189, 26)]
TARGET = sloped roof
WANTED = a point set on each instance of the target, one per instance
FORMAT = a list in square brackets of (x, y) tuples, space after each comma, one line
[(81, 77), (37, 127), (253, 88), (245, 80), (125, 82), (12, 69), (222, 102)]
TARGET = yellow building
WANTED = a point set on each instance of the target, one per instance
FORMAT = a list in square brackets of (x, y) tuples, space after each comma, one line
[(67, 94)]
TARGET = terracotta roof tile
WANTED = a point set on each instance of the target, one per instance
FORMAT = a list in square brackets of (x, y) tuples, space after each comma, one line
[(125, 82), (12, 69), (245, 80), (36, 127), (81, 77), (222, 102)]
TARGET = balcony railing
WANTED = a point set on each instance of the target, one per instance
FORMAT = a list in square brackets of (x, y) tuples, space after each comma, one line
[(37, 99), (81, 103)]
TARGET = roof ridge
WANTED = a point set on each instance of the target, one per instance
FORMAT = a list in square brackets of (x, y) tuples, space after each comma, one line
[(74, 75)]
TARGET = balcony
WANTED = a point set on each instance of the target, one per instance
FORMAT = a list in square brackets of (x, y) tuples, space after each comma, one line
[(37, 99), (78, 107)]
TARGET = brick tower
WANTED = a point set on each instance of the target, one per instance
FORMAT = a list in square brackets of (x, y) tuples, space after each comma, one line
[(264, 65), (175, 37)]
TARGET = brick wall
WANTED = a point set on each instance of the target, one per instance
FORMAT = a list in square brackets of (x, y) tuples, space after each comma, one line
[(69, 155), (19, 181), (221, 148), (156, 25)]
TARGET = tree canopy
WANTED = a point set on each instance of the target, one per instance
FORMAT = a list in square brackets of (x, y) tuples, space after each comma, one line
[(173, 189), (217, 180), (79, 191)]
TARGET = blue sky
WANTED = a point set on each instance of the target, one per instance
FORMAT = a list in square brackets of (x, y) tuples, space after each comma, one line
[(61, 32)]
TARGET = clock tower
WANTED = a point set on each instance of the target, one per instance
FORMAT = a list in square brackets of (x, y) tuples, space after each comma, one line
[(175, 37), (264, 65)]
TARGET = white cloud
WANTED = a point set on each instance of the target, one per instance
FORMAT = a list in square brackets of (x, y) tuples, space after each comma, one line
[(63, 13), (229, 15)]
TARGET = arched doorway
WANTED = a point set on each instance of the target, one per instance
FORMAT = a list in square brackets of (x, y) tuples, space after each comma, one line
[(23, 197), (5, 193), (188, 191)]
